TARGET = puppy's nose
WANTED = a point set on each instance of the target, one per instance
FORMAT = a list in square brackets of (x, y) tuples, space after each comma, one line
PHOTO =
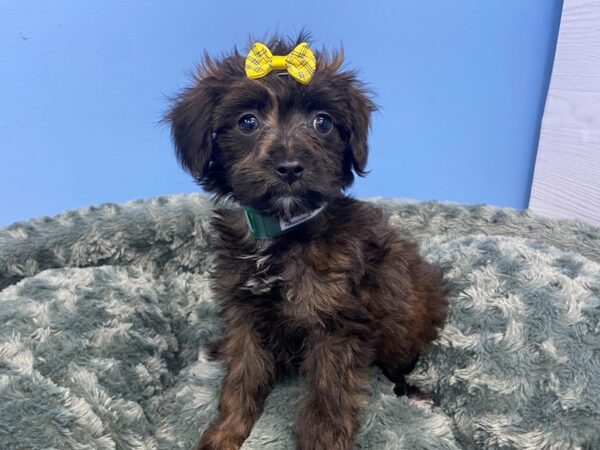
[(289, 171)]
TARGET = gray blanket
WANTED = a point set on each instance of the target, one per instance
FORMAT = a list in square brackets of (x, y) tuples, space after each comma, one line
[(105, 311)]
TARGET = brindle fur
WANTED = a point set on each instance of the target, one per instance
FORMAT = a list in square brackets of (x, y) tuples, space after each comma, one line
[(330, 299)]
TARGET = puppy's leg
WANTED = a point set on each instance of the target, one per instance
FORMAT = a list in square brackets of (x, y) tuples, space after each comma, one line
[(337, 369), (407, 297), (249, 379)]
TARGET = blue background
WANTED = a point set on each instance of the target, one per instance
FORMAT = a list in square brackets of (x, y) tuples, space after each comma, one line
[(461, 86)]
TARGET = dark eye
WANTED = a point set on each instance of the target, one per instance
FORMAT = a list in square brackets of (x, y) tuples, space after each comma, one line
[(247, 123), (322, 123)]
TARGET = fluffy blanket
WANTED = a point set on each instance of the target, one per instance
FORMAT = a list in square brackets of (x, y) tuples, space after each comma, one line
[(105, 311)]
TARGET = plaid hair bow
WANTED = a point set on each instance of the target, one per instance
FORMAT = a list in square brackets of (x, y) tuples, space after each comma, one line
[(300, 63)]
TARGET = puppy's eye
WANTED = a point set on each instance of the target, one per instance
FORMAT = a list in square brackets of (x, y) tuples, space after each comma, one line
[(247, 123), (322, 123)]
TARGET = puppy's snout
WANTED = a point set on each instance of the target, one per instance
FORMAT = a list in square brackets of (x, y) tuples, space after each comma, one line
[(289, 171)]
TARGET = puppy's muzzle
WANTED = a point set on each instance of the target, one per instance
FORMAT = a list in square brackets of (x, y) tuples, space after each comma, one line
[(289, 171)]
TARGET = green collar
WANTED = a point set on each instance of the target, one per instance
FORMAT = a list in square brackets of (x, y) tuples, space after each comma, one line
[(268, 227)]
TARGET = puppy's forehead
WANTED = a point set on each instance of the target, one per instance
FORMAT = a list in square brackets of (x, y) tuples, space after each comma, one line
[(241, 94), (283, 93)]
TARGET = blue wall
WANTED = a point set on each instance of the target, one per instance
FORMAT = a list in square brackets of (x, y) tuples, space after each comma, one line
[(461, 86)]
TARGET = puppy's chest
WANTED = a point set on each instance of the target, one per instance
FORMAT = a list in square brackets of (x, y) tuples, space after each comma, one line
[(301, 281)]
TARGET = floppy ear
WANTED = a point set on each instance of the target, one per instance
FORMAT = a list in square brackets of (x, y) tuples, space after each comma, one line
[(191, 119), (361, 108)]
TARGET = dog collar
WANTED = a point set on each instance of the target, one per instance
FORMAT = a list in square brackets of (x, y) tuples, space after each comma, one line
[(268, 227)]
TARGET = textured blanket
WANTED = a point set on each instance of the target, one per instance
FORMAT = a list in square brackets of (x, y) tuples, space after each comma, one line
[(105, 311)]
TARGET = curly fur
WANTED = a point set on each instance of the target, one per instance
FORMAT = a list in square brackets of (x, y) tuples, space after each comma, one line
[(332, 298)]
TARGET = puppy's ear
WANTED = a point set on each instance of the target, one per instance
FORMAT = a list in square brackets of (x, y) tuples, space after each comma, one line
[(191, 119), (361, 107)]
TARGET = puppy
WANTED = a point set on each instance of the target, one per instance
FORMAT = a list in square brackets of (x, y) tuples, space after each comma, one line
[(308, 278)]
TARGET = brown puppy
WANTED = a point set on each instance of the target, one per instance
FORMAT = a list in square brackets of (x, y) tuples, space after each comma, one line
[(332, 295)]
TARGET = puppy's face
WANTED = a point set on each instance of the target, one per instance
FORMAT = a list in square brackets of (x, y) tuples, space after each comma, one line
[(279, 146)]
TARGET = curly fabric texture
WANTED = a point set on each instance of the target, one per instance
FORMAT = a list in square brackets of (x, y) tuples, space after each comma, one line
[(105, 311)]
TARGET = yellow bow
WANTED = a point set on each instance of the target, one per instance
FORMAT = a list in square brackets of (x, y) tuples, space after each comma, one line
[(300, 63)]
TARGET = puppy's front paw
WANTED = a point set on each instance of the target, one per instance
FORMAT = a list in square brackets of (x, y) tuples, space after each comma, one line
[(215, 438)]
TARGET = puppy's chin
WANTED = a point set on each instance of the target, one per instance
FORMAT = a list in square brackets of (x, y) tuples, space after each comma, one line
[(287, 206)]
